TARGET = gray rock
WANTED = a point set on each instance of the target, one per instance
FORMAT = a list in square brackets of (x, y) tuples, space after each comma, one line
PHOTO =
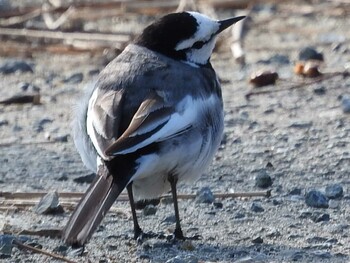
[(38, 126), (320, 90), (205, 195), (149, 210), (295, 191), (345, 103), (4, 122), (333, 204), (14, 66), (320, 217), (49, 204), (257, 240), (310, 53), (257, 208), (6, 244), (334, 191), (316, 199), (301, 125), (74, 79), (263, 179), (25, 86)]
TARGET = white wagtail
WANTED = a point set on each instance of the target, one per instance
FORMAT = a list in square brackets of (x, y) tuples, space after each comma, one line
[(153, 118)]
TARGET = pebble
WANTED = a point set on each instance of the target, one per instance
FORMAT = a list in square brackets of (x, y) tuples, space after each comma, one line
[(257, 240), (14, 66), (62, 249), (263, 179), (25, 86), (183, 259), (49, 204), (38, 125), (333, 204), (257, 208), (295, 191), (334, 191), (6, 244), (74, 79), (310, 53), (345, 103), (320, 90), (149, 210), (205, 195), (301, 125), (218, 205), (316, 199), (85, 179), (4, 122), (320, 217)]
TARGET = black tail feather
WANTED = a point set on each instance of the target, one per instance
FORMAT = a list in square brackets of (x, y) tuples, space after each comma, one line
[(90, 211)]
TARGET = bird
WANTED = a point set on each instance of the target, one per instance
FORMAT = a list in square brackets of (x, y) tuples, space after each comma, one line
[(153, 118)]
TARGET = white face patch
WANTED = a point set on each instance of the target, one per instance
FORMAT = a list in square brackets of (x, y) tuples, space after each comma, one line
[(206, 28)]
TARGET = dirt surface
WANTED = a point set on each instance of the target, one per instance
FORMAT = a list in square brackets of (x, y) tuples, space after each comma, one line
[(299, 137)]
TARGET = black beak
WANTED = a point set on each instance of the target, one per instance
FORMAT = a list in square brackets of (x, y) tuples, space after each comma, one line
[(228, 22)]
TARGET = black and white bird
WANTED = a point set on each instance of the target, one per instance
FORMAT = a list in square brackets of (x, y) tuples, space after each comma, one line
[(153, 118)]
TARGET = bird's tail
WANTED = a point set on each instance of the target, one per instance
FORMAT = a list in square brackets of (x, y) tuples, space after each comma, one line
[(91, 209)]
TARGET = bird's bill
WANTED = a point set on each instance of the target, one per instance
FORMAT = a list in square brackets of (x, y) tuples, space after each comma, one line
[(229, 22)]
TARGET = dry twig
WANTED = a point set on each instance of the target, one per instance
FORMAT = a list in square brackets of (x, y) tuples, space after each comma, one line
[(41, 251)]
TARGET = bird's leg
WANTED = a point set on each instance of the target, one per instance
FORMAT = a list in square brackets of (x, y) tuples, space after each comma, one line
[(173, 181), (137, 228)]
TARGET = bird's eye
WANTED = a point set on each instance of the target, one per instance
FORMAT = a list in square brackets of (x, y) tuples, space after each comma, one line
[(198, 45)]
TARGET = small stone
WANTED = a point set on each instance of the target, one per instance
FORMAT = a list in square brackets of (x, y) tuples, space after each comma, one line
[(205, 195), (149, 210), (320, 90), (38, 125), (301, 125), (49, 204), (218, 205), (74, 79), (6, 244), (14, 66), (61, 138), (297, 256), (4, 122), (345, 103), (85, 179), (310, 53), (316, 199), (257, 240), (295, 191), (141, 204), (334, 191), (239, 215), (318, 217), (25, 86), (333, 204), (257, 208), (263, 180)]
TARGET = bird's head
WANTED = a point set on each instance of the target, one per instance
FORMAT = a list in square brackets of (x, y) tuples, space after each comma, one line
[(186, 36)]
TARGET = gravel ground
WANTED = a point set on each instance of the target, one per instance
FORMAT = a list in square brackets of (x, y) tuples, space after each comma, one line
[(299, 138)]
